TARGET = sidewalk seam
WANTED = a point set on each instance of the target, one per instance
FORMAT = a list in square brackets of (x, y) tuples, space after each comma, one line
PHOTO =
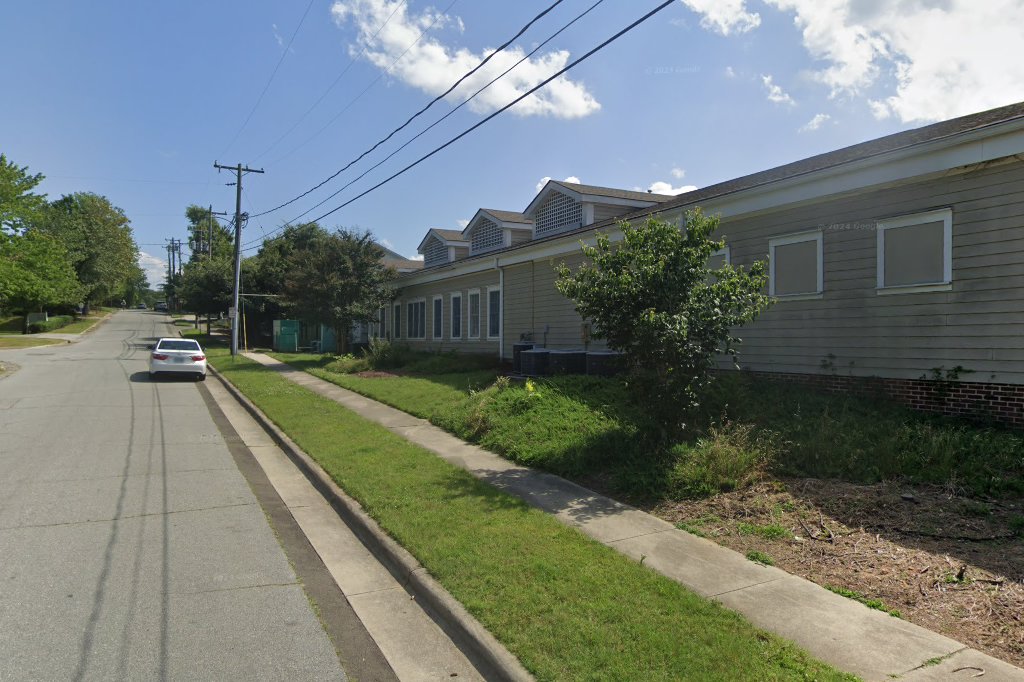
[(485, 652)]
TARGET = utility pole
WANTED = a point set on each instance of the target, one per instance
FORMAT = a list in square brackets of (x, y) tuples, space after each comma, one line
[(239, 170)]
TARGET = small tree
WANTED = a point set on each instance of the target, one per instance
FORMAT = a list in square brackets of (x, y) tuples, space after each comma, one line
[(337, 278), (653, 298)]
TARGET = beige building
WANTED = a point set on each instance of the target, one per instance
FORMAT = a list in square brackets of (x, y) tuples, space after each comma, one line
[(890, 258)]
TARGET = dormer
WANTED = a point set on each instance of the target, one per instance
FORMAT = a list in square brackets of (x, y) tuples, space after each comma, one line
[(564, 206), (442, 246), (491, 229)]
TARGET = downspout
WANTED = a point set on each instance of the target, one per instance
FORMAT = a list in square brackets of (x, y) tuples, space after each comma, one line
[(501, 317)]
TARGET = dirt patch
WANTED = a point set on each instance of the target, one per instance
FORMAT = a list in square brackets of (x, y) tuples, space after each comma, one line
[(377, 374), (950, 564)]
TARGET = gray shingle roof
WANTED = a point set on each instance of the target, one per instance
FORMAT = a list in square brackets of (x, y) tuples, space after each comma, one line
[(611, 192), (508, 216), (450, 235), (863, 150)]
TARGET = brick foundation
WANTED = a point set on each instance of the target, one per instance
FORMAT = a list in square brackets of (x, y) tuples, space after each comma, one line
[(1002, 403)]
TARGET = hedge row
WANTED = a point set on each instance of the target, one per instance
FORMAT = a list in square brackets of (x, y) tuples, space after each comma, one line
[(55, 322)]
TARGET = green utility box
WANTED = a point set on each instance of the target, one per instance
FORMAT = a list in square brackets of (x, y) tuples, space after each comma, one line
[(286, 336)]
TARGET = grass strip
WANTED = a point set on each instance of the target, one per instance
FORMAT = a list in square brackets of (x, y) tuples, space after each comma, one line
[(81, 325), (567, 606), (876, 604), (26, 342)]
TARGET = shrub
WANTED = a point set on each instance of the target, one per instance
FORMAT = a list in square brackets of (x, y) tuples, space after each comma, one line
[(729, 457), (652, 296), (55, 322)]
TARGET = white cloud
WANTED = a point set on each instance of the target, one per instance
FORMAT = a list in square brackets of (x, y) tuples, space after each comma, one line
[(386, 243), (678, 173), (662, 187), (277, 36), (462, 222), (432, 66), (775, 93), (417, 256), (730, 72), (880, 110), (947, 58), (543, 181), (724, 16), (154, 267), (814, 123)]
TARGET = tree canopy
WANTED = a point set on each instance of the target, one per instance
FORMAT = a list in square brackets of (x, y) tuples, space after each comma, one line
[(652, 296), (19, 206), (98, 239), (35, 272)]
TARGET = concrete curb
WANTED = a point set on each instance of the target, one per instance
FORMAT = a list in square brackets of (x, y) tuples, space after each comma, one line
[(490, 656)]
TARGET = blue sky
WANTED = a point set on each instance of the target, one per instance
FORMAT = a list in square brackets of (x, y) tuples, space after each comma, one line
[(135, 100)]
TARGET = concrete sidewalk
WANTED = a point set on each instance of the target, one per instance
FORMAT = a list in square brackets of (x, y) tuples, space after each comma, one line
[(840, 631)]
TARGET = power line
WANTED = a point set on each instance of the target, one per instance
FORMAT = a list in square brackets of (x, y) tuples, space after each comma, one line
[(329, 88), (437, 122), (269, 80), (429, 104), (368, 87)]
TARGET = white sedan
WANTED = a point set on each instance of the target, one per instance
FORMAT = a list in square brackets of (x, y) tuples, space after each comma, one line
[(178, 356)]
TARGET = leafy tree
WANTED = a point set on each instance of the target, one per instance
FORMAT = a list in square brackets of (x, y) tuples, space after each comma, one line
[(265, 273), (202, 227), (18, 205), (653, 297), (35, 272), (98, 238), (205, 286), (337, 278)]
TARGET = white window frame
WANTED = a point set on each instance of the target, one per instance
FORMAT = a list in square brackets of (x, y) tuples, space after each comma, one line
[(943, 215), (469, 314), (724, 252), (797, 238), (455, 334), (501, 304), (437, 325), (410, 330)]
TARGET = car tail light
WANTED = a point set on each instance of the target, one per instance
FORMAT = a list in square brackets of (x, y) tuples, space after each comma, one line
[(159, 356), (197, 358)]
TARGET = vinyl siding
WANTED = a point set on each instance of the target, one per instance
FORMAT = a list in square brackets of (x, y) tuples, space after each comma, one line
[(902, 335), (978, 324), (606, 211), (445, 288)]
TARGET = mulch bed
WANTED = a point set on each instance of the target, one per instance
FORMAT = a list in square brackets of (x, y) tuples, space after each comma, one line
[(950, 564)]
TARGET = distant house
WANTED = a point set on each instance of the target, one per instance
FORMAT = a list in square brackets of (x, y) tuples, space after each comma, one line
[(894, 259)]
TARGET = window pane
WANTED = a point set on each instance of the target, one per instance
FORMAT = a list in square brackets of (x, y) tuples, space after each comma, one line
[(438, 308), (397, 319), (456, 317), (796, 268), (411, 312), (474, 315), (493, 313), (914, 254)]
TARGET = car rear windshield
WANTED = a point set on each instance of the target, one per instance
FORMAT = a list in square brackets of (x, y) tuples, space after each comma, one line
[(174, 344)]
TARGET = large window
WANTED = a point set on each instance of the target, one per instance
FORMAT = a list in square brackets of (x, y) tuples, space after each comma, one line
[(915, 252), (474, 314), (396, 321), (456, 305), (795, 266), (417, 328), (438, 315), (493, 312)]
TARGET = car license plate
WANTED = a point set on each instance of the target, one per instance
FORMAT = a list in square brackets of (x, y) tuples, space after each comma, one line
[(179, 360)]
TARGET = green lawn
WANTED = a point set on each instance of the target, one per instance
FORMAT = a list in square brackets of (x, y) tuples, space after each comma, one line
[(80, 325), (568, 607), (581, 427), (25, 342)]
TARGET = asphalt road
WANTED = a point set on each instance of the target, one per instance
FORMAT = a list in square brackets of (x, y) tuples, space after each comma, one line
[(131, 547)]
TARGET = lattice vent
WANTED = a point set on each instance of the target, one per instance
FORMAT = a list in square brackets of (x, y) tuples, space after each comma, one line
[(435, 253), (559, 212), (486, 235)]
